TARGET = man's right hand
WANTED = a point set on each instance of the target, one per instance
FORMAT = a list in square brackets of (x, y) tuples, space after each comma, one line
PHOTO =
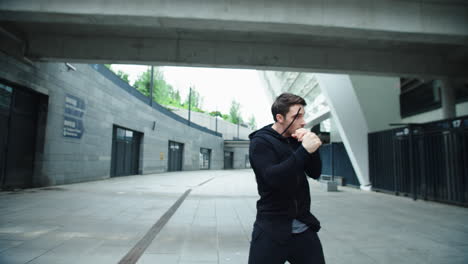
[(311, 142)]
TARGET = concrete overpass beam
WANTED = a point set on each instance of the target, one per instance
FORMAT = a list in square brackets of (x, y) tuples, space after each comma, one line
[(223, 50), (386, 18), (406, 38)]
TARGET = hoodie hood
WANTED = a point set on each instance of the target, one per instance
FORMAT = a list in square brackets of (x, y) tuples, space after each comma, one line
[(266, 130)]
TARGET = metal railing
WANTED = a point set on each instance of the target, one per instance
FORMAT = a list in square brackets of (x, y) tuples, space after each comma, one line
[(336, 163), (425, 161)]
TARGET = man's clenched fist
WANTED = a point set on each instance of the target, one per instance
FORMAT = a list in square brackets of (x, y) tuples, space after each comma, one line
[(310, 141)]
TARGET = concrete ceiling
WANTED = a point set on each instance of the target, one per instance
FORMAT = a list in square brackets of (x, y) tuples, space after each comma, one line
[(237, 40)]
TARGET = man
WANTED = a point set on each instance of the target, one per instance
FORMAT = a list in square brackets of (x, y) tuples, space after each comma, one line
[(281, 155)]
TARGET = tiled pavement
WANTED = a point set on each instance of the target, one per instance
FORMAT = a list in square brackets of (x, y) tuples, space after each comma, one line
[(101, 221)]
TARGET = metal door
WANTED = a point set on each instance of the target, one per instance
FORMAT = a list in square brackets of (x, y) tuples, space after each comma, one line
[(5, 104), (125, 152), (18, 136), (228, 159), (175, 151), (205, 158)]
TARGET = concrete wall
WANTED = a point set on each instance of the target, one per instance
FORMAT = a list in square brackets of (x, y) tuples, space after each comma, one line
[(228, 129), (241, 152), (461, 110), (379, 99), (68, 160)]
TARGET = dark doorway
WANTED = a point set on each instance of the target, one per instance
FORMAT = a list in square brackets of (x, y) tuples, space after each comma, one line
[(228, 159), (176, 151), (19, 111), (125, 152), (6, 96)]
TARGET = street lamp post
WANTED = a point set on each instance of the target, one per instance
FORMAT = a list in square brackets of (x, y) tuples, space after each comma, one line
[(189, 104)]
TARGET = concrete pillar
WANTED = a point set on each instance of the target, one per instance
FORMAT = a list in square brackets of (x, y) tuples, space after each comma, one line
[(334, 133), (349, 120), (447, 92)]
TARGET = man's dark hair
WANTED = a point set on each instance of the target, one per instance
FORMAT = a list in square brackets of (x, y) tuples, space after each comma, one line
[(283, 102)]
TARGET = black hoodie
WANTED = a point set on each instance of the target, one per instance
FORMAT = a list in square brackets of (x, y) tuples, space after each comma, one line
[(280, 165)]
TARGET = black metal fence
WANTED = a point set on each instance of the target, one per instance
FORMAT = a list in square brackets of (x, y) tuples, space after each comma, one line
[(426, 161), (335, 161)]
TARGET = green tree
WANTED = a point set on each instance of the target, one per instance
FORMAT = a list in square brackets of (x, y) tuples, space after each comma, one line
[(176, 96), (196, 101), (235, 113), (216, 113), (142, 84), (163, 93), (123, 76), (252, 123)]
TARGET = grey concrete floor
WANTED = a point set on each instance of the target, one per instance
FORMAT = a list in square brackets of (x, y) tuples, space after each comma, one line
[(99, 222)]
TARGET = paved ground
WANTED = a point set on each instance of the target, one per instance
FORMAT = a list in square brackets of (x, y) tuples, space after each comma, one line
[(100, 222)]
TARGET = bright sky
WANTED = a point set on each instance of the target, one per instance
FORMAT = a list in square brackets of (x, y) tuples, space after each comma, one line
[(218, 87)]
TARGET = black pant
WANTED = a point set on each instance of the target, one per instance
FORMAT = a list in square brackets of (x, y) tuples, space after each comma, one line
[(303, 248)]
